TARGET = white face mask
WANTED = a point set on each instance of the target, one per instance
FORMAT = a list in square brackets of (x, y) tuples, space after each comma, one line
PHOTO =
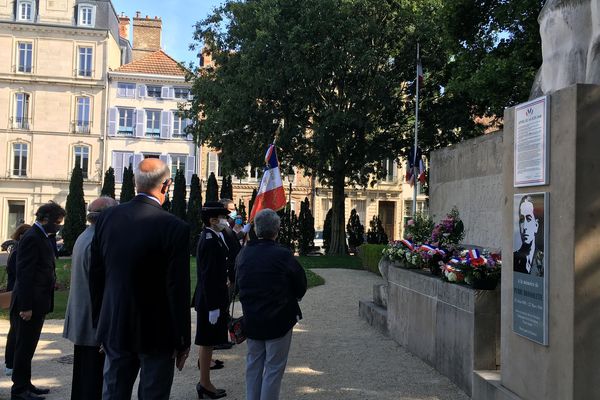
[(221, 225), (233, 214)]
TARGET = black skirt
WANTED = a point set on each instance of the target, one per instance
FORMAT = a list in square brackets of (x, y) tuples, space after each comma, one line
[(208, 334)]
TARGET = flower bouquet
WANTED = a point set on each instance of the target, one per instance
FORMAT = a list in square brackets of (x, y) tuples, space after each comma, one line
[(448, 232), (479, 270)]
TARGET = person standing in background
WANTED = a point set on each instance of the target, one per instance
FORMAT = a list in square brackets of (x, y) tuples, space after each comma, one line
[(88, 359)]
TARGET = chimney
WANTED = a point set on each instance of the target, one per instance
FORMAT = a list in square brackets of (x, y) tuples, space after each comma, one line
[(124, 24), (146, 35)]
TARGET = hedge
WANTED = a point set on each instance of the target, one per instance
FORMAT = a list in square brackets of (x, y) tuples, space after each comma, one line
[(370, 254)]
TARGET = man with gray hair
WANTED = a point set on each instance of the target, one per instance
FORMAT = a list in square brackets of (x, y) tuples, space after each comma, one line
[(270, 282), (140, 289), (88, 360)]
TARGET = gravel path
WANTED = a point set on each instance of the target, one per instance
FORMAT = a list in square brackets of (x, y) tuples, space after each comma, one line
[(334, 355)]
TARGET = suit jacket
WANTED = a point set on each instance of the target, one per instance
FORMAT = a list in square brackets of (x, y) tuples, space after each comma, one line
[(520, 262), (140, 278), (211, 258), (233, 243), (36, 277), (78, 318), (270, 281)]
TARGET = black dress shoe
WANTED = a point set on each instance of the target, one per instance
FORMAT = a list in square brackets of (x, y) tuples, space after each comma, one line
[(202, 391), (38, 391), (25, 396)]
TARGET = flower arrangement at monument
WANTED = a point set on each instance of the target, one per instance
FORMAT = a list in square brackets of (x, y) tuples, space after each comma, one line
[(449, 232), (481, 270)]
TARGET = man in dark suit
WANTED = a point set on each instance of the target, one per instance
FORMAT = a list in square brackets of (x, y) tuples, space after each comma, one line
[(140, 289), (33, 296)]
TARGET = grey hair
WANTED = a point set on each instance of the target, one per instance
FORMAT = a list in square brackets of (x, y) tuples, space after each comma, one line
[(148, 180), (96, 207), (266, 224)]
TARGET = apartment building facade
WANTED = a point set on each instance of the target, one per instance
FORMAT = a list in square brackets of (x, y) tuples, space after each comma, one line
[(54, 63)]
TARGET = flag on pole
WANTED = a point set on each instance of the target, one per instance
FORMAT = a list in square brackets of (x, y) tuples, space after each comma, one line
[(270, 193), (410, 177), (422, 177)]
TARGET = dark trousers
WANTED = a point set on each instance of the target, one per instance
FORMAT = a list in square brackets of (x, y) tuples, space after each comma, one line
[(121, 369), (88, 366), (27, 335), (9, 354)]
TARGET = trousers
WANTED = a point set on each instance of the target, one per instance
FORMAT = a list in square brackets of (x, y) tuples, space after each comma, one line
[(88, 367), (265, 365), (27, 335), (121, 369)]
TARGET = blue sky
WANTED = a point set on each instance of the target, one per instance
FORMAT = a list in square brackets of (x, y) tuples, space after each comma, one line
[(178, 18)]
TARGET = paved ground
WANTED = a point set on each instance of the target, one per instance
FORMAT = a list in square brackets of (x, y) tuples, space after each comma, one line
[(335, 355)]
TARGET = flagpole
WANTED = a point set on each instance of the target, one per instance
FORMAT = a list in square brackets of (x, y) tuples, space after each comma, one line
[(414, 155)]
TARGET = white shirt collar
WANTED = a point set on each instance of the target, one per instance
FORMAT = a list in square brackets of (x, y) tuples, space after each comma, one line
[(150, 197), (41, 227)]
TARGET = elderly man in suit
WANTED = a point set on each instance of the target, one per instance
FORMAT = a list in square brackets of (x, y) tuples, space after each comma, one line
[(33, 296), (140, 289), (89, 360)]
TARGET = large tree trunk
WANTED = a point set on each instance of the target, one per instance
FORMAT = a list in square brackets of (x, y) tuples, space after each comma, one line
[(338, 232)]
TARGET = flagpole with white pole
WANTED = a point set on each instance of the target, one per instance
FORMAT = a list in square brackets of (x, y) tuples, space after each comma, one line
[(414, 154)]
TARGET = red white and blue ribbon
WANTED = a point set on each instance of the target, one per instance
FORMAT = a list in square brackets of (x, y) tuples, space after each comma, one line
[(408, 244)]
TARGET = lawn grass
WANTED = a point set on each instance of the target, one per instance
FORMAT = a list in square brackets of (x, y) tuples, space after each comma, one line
[(346, 262), (63, 277)]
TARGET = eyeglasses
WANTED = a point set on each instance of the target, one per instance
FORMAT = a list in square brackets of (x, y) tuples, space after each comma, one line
[(168, 182)]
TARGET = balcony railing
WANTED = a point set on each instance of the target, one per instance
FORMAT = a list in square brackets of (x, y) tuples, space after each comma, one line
[(20, 123), (81, 127)]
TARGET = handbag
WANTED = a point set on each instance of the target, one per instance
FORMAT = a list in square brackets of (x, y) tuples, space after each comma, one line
[(235, 326)]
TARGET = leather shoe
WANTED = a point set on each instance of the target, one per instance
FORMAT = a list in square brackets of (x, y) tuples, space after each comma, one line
[(38, 391), (27, 395), (202, 391)]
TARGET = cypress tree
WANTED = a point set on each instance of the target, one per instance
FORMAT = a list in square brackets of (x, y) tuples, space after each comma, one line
[(306, 226), (212, 188), (75, 219), (327, 230), (376, 233), (167, 204), (355, 231), (179, 193), (128, 187), (108, 187), (194, 212), (227, 188)]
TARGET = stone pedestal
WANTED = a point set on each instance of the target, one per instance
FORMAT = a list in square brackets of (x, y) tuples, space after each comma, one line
[(568, 367), (454, 328)]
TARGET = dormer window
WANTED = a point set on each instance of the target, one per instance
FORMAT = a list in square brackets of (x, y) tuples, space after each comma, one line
[(87, 15), (25, 10)]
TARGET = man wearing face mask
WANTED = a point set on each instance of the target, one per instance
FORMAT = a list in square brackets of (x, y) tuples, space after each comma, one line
[(211, 297), (33, 296)]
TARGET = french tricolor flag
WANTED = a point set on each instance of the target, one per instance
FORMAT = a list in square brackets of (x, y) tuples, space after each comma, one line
[(271, 193)]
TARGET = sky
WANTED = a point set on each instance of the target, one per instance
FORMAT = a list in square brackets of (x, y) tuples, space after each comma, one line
[(178, 17)]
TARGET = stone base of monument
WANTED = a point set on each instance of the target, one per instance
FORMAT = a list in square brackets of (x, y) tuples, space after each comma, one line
[(375, 312), (487, 386), (454, 328)]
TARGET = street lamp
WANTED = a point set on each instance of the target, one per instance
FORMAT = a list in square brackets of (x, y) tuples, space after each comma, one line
[(290, 177)]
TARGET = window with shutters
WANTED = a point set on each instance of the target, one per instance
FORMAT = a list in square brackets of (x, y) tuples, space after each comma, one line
[(126, 121), (421, 208), (86, 15), (182, 93), (178, 161), (214, 164), (22, 111), (390, 170), (153, 91), (180, 124), (25, 57), (153, 123), (120, 160), (81, 157), (126, 90), (20, 153)]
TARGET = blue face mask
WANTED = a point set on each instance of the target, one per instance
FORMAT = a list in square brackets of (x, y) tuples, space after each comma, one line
[(233, 214)]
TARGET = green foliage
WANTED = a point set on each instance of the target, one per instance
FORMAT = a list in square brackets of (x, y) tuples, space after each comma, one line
[(179, 194), (355, 230), (370, 254), (108, 187), (419, 228), (288, 231), (212, 188), (194, 212), (306, 227), (241, 209), (376, 233), (128, 187), (227, 188), (312, 279), (167, 204), (345, 262), (327, 231), (75, 220)]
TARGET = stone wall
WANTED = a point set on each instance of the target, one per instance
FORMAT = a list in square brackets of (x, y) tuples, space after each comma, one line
[(469, 176)]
